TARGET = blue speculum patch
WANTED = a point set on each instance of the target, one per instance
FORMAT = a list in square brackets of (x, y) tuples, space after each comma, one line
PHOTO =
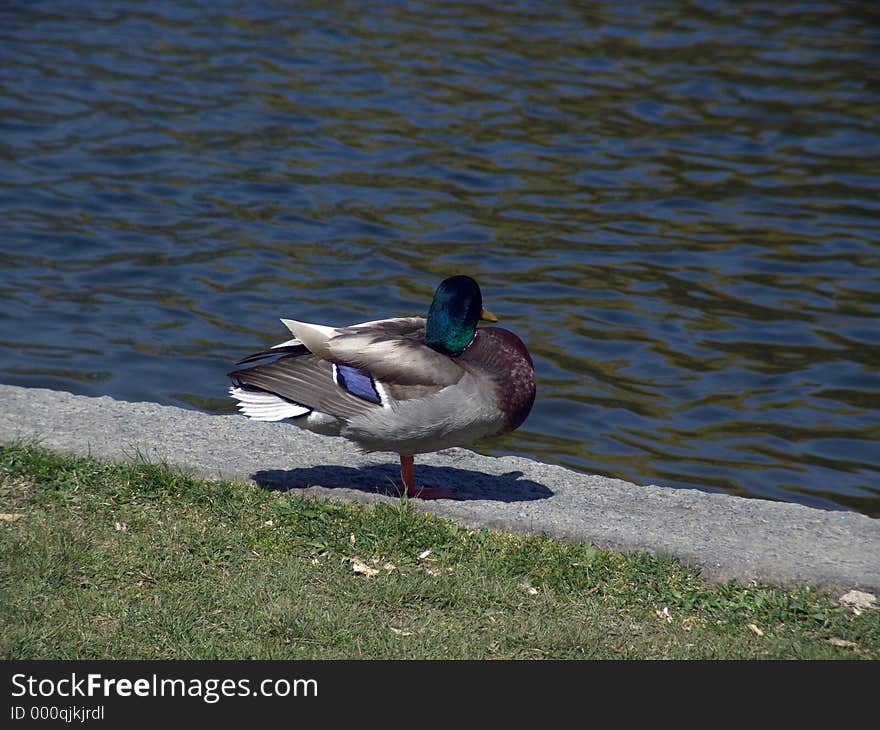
[(358, 383)]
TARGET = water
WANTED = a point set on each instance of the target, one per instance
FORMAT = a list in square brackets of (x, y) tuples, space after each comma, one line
[(676, 206)]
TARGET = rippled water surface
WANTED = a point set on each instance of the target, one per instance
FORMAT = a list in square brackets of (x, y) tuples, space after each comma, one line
[(677, 206)]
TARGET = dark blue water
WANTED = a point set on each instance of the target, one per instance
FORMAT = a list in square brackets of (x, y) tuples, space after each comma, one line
[(677, 206)]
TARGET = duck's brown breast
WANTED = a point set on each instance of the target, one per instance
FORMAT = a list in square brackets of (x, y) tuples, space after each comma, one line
[(501, 356)]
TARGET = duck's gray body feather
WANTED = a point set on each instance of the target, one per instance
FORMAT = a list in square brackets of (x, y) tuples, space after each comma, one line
[(456, 415)]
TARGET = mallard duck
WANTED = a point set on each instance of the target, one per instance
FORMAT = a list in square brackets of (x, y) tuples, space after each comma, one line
[(408, 385)]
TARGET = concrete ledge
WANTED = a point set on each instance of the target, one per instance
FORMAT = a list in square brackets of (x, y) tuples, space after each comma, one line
[(724, 536)]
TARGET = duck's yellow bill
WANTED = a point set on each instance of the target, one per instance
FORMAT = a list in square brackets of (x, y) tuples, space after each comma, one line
[(487, 316)]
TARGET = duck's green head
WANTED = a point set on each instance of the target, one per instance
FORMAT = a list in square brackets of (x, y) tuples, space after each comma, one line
[(453, 316)]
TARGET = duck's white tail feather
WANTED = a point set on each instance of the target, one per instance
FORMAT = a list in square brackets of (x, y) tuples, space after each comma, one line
[(262, 406)]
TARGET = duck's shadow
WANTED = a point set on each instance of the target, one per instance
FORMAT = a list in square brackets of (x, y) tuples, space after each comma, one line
[(383, 478)]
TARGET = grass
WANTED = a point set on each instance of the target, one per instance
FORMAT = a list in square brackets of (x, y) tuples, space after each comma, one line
[(140, 561)]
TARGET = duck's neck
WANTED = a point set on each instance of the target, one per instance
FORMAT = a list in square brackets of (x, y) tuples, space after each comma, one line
[(446, 335)]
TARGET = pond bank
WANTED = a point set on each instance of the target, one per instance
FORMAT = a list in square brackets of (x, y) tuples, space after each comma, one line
[(724, 536)]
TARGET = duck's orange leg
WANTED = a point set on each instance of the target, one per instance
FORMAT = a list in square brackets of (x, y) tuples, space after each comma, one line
[(406, 475), (409, 483)]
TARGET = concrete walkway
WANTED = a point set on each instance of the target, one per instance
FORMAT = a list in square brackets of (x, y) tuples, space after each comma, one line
[(726, 537)]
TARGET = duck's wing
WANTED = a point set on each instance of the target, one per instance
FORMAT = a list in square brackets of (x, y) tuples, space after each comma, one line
[(301, 383), (342, 371), (392, 351)]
